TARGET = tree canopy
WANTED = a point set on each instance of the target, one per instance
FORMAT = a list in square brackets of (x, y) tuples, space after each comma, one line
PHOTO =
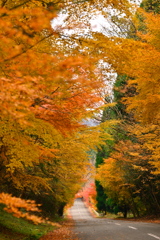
[(54, 78)]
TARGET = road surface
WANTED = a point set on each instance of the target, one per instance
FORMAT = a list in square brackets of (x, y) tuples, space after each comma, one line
[(89, 228)]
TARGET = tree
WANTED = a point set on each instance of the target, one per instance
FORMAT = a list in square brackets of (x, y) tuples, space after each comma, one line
[(46, 95), (48, 91), (145, 103), (138, 100)]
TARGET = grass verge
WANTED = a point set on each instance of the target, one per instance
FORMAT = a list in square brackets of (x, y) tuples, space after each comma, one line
[(20, 229)]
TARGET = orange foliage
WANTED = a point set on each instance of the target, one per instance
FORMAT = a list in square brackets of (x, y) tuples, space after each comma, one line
[(45, 92), (35, 78), (14, 204), (17, 206), (89, 195)]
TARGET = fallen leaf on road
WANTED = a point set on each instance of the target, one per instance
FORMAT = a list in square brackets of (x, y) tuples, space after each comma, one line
[(65, 232)]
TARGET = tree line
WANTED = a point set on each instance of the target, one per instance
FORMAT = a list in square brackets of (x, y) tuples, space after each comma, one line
[(128, 166), (52, 81)]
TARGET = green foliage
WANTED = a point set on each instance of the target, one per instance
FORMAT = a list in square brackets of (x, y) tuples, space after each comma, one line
[(151, 6), (101, 198), (103, 204), (119, 85)]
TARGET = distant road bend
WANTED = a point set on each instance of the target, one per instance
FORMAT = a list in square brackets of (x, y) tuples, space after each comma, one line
[(89, 228)]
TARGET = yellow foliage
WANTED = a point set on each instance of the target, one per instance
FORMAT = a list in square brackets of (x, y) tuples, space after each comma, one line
[(47, 92), (111, 176)]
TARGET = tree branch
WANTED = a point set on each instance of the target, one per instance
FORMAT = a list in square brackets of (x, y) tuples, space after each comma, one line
[(19, 54)]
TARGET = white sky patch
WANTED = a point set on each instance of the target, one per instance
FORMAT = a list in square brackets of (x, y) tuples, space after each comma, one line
[(98, 23), (58, 22), (109, 77)]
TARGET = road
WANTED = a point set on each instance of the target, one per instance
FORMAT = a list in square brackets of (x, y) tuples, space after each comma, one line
[(89, 228)]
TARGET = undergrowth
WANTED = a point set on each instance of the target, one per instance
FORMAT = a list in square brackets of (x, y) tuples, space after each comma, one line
[(20, 228)]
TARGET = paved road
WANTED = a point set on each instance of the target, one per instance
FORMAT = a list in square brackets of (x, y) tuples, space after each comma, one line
[(89, 228)]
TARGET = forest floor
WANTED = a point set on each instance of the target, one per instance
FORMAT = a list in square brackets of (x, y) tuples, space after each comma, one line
[(149, 219), (65, 232)]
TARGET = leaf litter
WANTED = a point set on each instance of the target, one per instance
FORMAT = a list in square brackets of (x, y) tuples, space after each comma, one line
[(64, 232)]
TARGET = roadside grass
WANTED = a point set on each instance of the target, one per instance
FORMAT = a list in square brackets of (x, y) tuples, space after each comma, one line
[(20, 229), (117, 216), (7, 234), (130, 217)]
